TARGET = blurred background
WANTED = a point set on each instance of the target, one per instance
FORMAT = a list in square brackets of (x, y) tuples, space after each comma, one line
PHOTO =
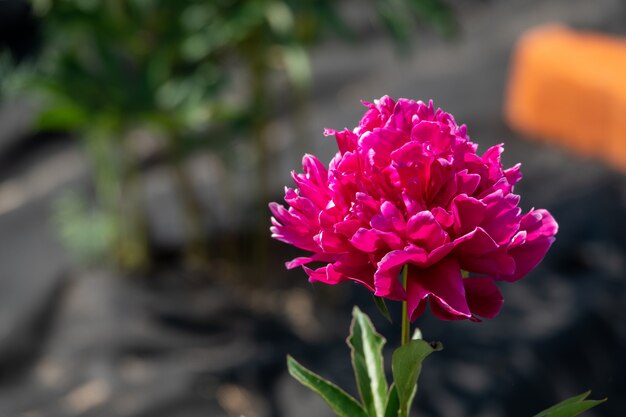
[(141, 140)]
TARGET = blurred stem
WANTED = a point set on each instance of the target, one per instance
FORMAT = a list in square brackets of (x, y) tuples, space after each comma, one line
[(117, 182), (260, 105), (406, 324), (133, 251), (196, 244)]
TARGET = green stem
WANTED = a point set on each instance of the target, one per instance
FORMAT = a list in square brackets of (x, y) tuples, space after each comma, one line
[(406, 324)]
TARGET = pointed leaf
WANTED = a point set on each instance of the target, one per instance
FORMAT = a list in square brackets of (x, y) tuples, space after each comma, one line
[(339, 401), (393, 403), (382, 307), (574, 409), (574, 399), (406, 366), (367, 361), (571, 407)]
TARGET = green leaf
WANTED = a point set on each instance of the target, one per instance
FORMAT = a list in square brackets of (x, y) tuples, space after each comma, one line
[(367, 361), (574, 399), (571, 407), (61, 116), (574, 409), (382, 307), (393, 403), (339, 401), (406, 366)]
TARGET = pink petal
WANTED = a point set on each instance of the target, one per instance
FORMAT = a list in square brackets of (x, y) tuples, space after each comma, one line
[(317, 257), (393, 216), (389, 267), (425, 232), (483, 297), (356, 267), (317, 194), (441, 183), (366, 240), (325, 274), (443, 284), (437, 254), (468, 213), (477, 252), (467, 183), (346, 140), (436, 134), (496, 263), (314, 170), (378, 145), (294, 263), (539, 223), (477, 242), (444, 218), (407, 155), (527, 256), (331, 242), (513, 174), (502, 217), (347, 228), (540, 228)]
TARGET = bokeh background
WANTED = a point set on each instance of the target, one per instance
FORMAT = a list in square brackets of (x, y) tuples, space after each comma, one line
[(140, 142)]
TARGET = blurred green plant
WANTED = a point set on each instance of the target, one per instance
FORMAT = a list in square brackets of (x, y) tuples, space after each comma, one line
[(110, 69)]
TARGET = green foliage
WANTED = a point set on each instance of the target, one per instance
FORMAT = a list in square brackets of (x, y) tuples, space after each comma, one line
[(367, 361), (571, 407), (392, 405), (378, 399), (87, 233), (341, 403), (167, 62), (406, 366), (382, 307)]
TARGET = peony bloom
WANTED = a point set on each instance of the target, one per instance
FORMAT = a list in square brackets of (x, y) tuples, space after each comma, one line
[(408, 188)]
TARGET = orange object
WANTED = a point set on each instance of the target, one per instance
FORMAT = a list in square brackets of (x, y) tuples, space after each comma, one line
[(570, 87)]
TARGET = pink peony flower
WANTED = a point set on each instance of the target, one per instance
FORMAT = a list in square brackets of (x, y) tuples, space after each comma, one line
[(408, 188)]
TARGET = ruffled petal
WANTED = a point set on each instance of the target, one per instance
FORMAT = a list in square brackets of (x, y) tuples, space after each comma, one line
[(325, 274), (366, 240), (346, 140), (425, 232), (468, 214), (527, 256), (356, 267), (386, 276), (317, 257), (443, 284), (483, 297), (535, 238)]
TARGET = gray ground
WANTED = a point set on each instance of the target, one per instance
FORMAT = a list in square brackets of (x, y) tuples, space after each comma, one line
[(76, 343)]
